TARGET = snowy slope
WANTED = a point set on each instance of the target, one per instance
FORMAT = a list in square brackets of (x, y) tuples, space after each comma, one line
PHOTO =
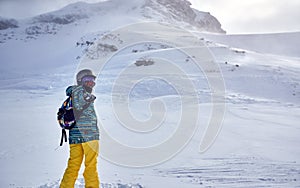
[(264, 43), (258, 145)]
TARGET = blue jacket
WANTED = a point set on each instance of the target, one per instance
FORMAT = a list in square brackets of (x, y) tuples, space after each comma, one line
[(86, 128)]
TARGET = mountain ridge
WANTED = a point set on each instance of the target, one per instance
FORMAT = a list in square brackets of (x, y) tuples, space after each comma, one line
[(176, 12)]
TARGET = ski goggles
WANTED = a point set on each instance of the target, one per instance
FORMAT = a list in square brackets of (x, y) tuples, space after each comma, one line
[(88, 79)]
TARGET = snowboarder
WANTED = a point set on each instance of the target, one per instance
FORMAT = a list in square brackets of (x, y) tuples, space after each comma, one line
[(84, 137)]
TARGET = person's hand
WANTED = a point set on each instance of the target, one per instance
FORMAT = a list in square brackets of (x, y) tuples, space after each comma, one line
[(89, 97)]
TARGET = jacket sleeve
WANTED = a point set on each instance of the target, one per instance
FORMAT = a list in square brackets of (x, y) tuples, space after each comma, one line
[(78, 99)]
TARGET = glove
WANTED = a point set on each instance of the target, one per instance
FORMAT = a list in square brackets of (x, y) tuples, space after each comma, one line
[(89, 97)]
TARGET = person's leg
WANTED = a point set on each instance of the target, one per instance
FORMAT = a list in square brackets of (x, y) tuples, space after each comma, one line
[(91, 151), (74, 164)]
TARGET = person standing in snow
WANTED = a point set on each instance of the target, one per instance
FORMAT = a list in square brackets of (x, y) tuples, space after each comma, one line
[(84, 137)]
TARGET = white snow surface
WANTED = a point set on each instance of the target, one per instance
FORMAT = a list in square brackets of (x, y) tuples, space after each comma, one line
[(258, 145)]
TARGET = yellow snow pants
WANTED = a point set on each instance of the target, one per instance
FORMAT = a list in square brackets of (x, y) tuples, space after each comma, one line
[(90, 151)]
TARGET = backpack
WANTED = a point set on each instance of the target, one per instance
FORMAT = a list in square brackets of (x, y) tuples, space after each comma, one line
[(65, 115)]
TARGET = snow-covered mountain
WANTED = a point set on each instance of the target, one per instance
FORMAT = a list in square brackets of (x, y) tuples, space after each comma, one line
[(275, 43), (170, 11), (81, 22), (258, 145)]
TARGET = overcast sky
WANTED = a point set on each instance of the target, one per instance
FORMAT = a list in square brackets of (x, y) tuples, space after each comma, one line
[(253, 16), (236, 16)]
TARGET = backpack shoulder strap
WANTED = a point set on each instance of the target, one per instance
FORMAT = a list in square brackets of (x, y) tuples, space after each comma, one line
[(63, 137), (67, 101)]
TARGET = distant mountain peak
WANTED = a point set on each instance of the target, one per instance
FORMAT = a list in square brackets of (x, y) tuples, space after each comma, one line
[(181, 11), (178, 12), (86, 18)]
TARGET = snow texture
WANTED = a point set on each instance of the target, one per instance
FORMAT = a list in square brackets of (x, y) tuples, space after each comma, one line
[(258, 145)]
